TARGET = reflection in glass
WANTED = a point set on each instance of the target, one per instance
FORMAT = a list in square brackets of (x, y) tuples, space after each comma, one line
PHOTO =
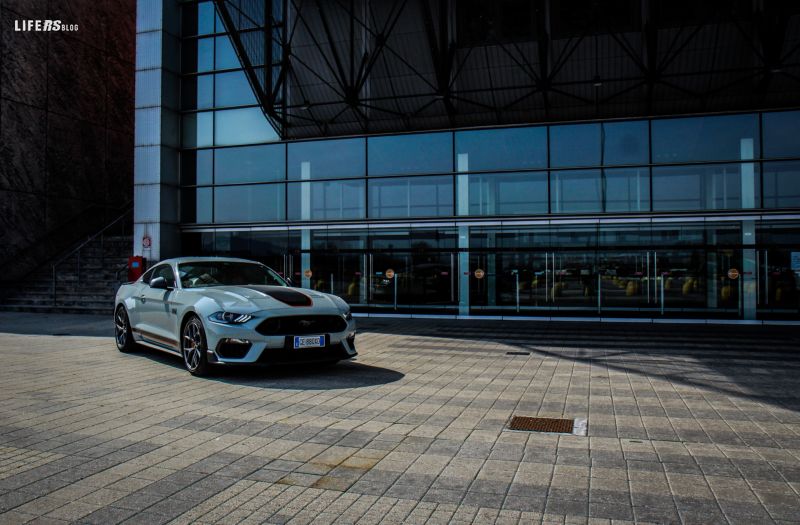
[(782, 184), (233, 89), (253, 203), (249, 164), (410, 154), (196, 167), (575, 145), (325, 159), (205, 54), (705, 187), (196, 205), (505, 193), (411, 197), (781, 138), (198, 92), (225, 56), (501, 149), (725, 137), (242, 126), (198, 129), (625, 143), (627, 189), (576, 191), (331, 200)]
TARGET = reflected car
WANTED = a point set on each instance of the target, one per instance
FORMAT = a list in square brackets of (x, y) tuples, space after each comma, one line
[(224, 311)]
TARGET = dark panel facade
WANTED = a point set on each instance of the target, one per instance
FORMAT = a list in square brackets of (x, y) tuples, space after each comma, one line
[(66, 124)]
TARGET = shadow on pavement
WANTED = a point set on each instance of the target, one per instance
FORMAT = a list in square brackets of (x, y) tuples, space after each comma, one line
[(343, 375), (81, 325), (761, 363)]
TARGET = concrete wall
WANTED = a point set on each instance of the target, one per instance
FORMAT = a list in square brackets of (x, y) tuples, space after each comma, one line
[(66, 121)]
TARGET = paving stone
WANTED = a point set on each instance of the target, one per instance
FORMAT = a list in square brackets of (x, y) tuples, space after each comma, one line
[(697, 425)]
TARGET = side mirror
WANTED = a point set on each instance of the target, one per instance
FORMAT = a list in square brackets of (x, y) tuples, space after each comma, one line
[(159, 283)]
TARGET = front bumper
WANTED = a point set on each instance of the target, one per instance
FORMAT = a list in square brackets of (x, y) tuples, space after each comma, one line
[(243, 345)]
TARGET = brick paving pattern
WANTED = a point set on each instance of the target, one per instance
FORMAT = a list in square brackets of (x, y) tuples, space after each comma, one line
[(685, 425)]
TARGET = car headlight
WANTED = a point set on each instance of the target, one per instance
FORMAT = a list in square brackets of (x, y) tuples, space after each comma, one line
[(230, 318)]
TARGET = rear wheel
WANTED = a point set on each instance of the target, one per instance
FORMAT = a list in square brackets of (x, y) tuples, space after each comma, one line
[(122, 331), (193, 346)]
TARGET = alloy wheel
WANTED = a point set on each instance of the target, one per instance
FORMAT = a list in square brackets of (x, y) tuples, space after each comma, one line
[(121, 327), (192, 345)]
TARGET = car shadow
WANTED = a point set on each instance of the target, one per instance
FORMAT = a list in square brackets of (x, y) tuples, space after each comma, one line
[(339, 376)]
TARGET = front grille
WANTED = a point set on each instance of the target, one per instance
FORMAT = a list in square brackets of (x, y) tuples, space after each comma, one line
[(302, 325)]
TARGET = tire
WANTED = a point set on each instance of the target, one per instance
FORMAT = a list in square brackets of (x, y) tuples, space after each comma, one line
[(123, 335), (194, 346)]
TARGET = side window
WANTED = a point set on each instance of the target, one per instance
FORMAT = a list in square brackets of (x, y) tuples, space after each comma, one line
[(165, 271), (147, 275)]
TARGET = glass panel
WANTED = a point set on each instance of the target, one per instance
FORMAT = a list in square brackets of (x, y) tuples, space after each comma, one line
[(410, 154), (198, 92), (198, 129), (196, 167), (625, 143), (327, 159), (575, 145), (501, 149), (233, 89), (411, 197), (727, 137), (196, 205), (205, 54), (225, 57), (782, 184), (627, 189), (249, 164), (781, 138), (327, 200), (506, 193), (205, 18), (712, 187), (264, 202), (576, 191), (242, 126)]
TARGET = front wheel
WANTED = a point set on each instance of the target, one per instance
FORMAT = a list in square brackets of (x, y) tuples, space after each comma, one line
[(194, 347), (122, 331)]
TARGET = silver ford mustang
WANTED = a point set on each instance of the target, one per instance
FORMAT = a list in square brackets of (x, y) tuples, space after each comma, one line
[(214, 311)]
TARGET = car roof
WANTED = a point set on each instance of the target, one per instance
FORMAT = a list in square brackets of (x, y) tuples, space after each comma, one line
[(182, 260)]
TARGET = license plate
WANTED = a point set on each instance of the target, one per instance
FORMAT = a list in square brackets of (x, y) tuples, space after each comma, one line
[(313, 341)]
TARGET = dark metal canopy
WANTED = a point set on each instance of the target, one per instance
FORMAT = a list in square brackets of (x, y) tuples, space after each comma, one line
[(339, 67)]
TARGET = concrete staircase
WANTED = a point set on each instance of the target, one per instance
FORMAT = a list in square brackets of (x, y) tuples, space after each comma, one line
[(86, 281)]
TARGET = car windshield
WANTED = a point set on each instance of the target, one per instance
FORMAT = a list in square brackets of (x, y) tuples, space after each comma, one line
[(226, 273)]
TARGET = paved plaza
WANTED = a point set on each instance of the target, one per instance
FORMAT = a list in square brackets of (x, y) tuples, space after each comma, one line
[(686, 424)]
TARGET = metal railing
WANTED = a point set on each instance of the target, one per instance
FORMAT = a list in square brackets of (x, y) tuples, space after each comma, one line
[(101, 234)]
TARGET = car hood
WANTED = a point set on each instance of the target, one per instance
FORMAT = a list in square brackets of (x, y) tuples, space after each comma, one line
[(252, 298)]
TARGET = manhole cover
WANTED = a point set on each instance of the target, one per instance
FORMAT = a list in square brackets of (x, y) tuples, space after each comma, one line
[(541, 424)]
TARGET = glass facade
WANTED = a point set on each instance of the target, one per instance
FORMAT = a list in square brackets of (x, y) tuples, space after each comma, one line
[(636, 218)]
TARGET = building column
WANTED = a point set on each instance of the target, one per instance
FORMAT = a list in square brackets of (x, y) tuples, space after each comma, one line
[(749, 298), (305, 215), (464, 270), (157, 137)]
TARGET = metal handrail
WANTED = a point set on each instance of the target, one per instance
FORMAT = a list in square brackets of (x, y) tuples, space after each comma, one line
[(78, 248)]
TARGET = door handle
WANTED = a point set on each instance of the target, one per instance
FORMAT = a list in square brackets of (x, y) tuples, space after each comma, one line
[(143, 298)]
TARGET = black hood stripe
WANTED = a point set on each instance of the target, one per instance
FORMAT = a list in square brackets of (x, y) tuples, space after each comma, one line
[(283, 294)]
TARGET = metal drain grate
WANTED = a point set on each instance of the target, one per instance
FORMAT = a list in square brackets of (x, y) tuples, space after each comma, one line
[(541, 424)]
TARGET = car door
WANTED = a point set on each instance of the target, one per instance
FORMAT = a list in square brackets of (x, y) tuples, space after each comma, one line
[(134, 308), (156, 309)]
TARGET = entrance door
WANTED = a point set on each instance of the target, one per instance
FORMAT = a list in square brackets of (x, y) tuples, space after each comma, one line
[(779, 283), (422, 282), (625, 283)]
